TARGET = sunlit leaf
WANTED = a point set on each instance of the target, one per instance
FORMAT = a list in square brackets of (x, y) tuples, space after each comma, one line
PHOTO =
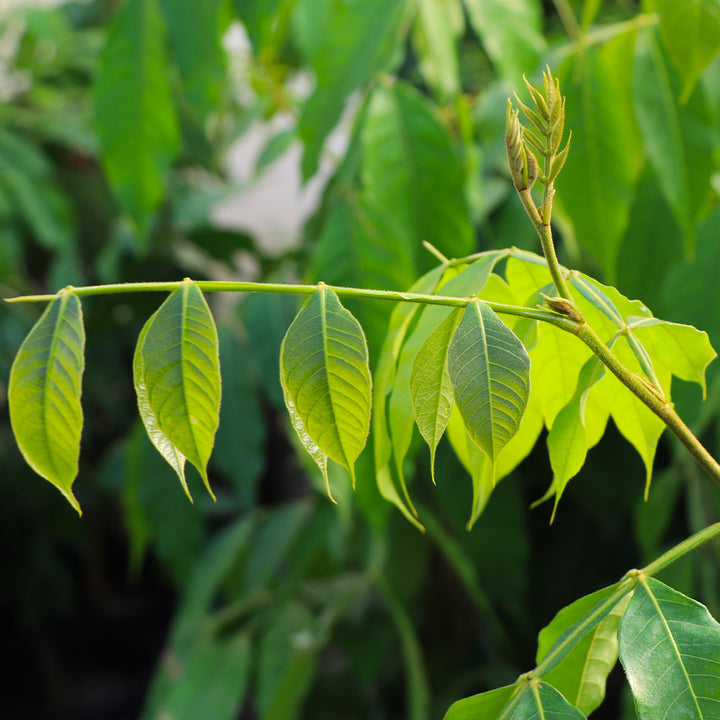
[(44, 394), (670, 649), (489, 368), (690, 32), (178, 368), (172, 455), (134, 110), (326, 378)]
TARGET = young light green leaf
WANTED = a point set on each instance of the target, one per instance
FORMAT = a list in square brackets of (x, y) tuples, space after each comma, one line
[(430, 386), (681, 349), (174, 457), (568, 440), (177, 358), (487, 705), (490, 372), (691, 35), (670, 649), (326, 379), (583, 672), (134, 110), (44, 394)]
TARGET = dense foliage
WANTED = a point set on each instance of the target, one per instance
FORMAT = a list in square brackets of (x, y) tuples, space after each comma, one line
[(290, 605)]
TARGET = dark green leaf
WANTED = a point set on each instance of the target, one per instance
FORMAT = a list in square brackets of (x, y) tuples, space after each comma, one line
[(345, 43), (44, 394), (690, 32), (511, 34), (326, 380), (490, 372), (134, 111), (409, 161), (678, 143), (670, 649), (177, 378)]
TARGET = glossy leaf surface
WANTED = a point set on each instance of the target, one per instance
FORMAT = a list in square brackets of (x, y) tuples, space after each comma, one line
[(670, 649), (44, 394), (178, 369), (489, 368), (134, 110), (325, 374)]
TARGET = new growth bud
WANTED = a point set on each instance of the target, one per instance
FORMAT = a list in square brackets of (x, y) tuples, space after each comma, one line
[(523, 164)]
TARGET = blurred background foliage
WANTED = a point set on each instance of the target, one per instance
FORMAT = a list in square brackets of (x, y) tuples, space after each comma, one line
[(327, 139)]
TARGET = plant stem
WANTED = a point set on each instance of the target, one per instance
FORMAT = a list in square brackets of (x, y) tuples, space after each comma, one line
[(568, 19), (349, 292), (683, 548)]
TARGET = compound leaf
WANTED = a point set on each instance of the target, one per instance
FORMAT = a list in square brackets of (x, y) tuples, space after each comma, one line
[(177, 358), (490, 372), (44, 394), (326, 379), (670, 649)]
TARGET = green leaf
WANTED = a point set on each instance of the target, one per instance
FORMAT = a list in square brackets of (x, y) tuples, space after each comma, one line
[(410, 162), (178, 379), (681, 350), (526, 700), (195, 32), (595, 187), (437, 27), (345, 43), (568, 439), (430, 386), (583, 672), (134, 111), (690, 32), (385, 376), (208, 679), (326, 380), (511, 34), (670, 649), (679, 146), (44, 394), (490, 372)]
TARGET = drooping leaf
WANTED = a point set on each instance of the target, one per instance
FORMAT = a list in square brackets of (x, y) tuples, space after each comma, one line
[(430, 386), (162, 444), (487, 705), (410, 162), (177, 361), (690, 33), (195, 34), (489, 368), (134, 111), (385, 375), (44, 394), (678, 144), (670, 649), (511, 34), (326, 379), (345, 43), (583, 672), (568, 439), (595, 186)]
